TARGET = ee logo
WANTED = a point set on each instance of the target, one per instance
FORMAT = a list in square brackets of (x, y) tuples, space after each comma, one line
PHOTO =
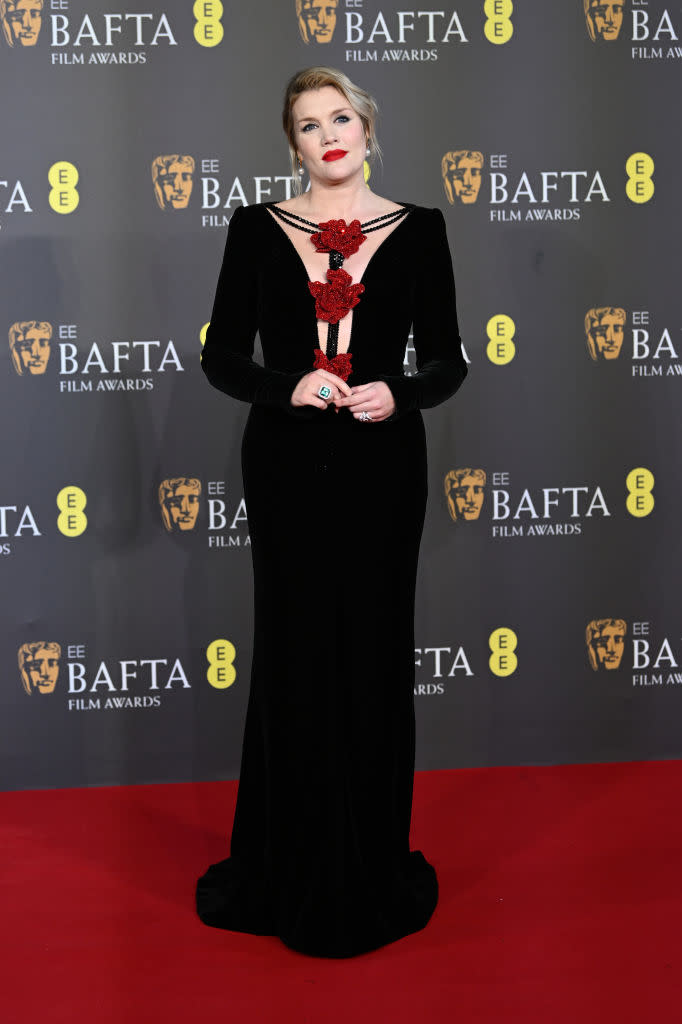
[(208, 30), (221, 672), (72, 520), (503, 643), (63, 177), (500, 349), (640, 501), (498, 27), (639, 188)]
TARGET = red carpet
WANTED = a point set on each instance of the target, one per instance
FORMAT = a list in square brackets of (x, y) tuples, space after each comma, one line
[(561, 902)]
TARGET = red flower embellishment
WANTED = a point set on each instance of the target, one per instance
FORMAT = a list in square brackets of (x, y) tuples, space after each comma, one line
[(339, 364), (335, 298), (337, 236)]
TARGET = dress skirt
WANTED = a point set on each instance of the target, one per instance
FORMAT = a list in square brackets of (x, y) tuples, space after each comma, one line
[(319, 854)]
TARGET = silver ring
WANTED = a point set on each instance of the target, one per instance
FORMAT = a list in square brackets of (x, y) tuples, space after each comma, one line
[(324, 392), (365, 417)]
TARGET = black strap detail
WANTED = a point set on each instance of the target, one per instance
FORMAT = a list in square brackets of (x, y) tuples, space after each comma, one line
[(336, 258), (294, 221), (332, 340)]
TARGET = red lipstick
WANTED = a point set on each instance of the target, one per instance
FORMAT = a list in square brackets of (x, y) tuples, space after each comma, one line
[(334, 154)]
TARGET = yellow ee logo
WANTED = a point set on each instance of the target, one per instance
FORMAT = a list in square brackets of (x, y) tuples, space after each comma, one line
[(500, 329), (208, 30), (498, 27), (367, 171), (221, 671), (63, 177), (640, 501), (639, 168), (202, 333), (503, 643), (72, 520)]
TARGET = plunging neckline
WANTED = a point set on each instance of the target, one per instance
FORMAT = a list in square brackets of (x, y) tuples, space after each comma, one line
[(271, 216)]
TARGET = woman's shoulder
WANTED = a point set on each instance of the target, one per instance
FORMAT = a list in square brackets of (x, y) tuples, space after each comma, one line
[(247, 222), (251, 213), (418, 214), (426, 219), (426, 214)]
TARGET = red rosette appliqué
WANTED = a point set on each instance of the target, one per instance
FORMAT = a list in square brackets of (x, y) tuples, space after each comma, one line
[(337, 297), (337, 236), (339, 364)]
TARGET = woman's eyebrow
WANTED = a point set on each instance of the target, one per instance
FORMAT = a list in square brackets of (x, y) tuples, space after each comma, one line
[(341, 110)]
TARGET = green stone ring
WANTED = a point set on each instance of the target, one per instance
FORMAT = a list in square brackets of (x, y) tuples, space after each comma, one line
[(324, 391)]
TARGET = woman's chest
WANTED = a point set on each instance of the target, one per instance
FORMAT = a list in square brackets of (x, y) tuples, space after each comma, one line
[(386, 282)]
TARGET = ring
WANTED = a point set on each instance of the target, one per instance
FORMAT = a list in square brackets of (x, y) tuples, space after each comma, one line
[(324, 391), (365, 417)]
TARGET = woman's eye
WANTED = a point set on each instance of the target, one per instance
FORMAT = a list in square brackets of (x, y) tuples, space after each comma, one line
[(343, 117), (307, 126)]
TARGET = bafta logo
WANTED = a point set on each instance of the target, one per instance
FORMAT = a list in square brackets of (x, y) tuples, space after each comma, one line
[(461, 170), (39, 666), (29, 346), (604, 330), (605, 639), (173, 178), (316, 19), (179, 501), (603, 19), (464, 493), (21, 21)]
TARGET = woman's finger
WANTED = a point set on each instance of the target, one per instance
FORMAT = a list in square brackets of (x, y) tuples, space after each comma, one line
[(375, 417), (363, 403), (334, 397), (331, 378), (373, 407), (354, 399)]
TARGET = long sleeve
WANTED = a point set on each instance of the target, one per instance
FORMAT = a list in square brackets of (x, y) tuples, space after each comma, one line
[(227, 357), (441, 367)]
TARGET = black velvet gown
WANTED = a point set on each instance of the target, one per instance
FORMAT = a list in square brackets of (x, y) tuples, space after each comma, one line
[(320, 852)]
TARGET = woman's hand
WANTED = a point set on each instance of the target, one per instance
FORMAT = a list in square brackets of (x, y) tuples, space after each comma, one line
[(375, 399), (306, 391)]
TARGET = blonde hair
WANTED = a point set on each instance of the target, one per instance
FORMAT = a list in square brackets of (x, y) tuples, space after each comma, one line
[(317, 78)]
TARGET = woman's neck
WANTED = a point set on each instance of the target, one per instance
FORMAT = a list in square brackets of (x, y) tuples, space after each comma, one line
[(344, 201)]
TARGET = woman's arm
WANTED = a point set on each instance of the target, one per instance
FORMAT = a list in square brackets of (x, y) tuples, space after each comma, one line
[(440, 364), (227, 357)]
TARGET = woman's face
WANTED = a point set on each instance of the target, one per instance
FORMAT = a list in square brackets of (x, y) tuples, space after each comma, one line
[(329, 135)]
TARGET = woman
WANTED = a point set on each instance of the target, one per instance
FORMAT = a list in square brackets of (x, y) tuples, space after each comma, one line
[(334, 466)]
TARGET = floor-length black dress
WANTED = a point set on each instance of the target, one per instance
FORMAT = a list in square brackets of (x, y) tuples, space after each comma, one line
[(320, 851)]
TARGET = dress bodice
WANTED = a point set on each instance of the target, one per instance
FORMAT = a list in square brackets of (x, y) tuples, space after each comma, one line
[(263, 287), (335, 261)]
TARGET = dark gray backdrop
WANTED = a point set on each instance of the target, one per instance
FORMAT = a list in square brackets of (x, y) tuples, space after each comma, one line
[(133, 607)]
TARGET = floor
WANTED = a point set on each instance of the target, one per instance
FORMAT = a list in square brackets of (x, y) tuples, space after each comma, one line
[(561, 902)]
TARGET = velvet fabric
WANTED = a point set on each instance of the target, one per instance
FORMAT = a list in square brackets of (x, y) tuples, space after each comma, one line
[(319, 854)]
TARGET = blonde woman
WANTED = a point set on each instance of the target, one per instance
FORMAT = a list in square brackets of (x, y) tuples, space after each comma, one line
[(334, 466)]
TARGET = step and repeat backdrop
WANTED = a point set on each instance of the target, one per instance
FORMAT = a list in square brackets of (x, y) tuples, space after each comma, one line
[(548, 624)]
